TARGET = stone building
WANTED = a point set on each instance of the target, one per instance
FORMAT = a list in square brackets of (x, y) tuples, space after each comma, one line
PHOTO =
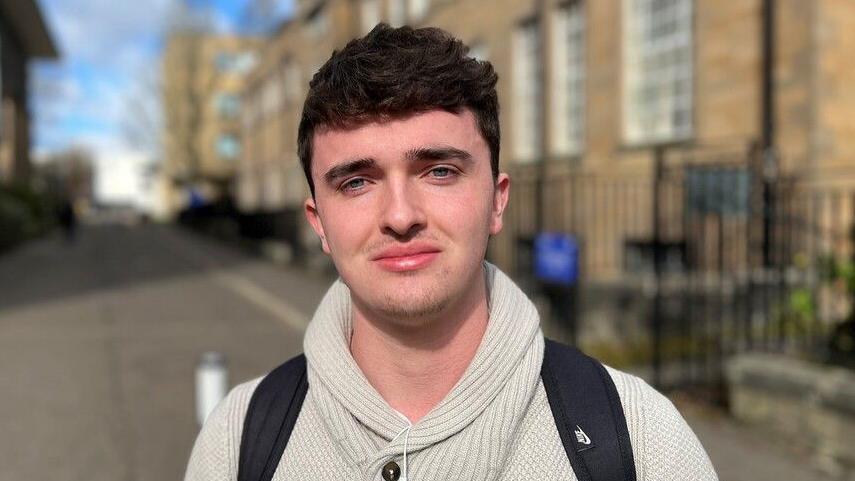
[(23, 36), (270, 183), (612, 110), (203, 76)]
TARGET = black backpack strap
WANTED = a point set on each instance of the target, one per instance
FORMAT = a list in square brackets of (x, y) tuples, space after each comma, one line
[(588, 415), (271, 417)]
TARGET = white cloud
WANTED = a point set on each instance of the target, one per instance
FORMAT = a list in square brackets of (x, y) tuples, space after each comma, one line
[(105, 31), (110, 53)]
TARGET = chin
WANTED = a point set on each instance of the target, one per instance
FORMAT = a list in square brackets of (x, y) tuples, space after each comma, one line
[(412, 311), (407, 304)]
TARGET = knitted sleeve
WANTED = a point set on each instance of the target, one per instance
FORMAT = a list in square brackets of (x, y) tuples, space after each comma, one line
[(664, 446), (217, 448), (673, 450)]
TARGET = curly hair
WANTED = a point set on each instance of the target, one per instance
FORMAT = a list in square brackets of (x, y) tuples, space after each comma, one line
[(396, 72)]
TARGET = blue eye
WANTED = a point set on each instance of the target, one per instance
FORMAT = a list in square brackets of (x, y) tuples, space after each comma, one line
[(353, 184), (441, 172)]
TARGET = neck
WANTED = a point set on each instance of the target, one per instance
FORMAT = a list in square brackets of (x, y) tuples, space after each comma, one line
[(415, 367)]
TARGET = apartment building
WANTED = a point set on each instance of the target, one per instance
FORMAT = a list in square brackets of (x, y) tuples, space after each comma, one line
[(203, 77), (23, 36), (601, 101)]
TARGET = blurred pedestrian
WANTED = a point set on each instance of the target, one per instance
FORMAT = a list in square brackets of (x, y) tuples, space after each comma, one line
[(424, 362), (67, 219)]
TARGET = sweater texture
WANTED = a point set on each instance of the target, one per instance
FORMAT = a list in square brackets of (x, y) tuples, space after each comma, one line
[(495, 424)]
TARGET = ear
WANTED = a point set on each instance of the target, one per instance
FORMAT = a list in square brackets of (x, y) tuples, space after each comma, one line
[(314, 218), (500, 201)]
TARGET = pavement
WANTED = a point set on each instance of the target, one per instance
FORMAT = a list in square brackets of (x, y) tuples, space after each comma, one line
[(99, 341)]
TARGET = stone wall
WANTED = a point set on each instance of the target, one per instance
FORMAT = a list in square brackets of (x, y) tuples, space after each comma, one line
[(811, 404)]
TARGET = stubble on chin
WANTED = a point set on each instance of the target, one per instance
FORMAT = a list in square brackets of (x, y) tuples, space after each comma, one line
[(413, 308)]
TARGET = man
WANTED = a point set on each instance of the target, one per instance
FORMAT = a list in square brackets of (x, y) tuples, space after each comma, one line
[(423, 360)]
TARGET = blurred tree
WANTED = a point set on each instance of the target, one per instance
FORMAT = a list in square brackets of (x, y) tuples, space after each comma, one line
[(67, 174), (142, 126), (145, 124), (157, 111)]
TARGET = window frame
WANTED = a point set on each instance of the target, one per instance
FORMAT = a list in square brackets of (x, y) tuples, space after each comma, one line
[(527, 93), (568, 115), (657, 125)]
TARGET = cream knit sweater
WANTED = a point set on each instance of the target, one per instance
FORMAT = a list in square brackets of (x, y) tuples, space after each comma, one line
[(495, 424)]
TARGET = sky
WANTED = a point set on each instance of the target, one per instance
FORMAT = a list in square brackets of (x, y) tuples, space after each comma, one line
[(106, 77)]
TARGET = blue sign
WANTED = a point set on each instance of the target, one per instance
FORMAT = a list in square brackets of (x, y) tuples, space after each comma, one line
[(556, 258), (196, 199)]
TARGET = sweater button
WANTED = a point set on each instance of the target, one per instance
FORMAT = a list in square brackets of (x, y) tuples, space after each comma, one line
[(391, 471)]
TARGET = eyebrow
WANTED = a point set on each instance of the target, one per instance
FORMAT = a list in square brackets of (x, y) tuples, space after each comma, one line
[(348, 168), (424, 154)]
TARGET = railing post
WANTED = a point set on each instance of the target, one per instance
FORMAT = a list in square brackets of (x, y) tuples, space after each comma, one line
[(658, 261)]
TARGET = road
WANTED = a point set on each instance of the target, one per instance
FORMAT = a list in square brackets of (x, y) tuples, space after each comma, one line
[(99, 340)]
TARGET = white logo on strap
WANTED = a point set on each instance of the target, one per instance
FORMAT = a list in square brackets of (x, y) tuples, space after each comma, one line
[(581, 437)]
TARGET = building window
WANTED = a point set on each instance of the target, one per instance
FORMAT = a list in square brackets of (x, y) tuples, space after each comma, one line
[(418, 9), (228, 147), (224, 61), (568, 82), (657, 91), (397, 12), (235, 63), (369, 14), (227, 105), (527, 101), (244, 62)]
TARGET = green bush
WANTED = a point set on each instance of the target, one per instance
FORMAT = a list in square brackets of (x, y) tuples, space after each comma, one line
[(24, 214), (838, 272)]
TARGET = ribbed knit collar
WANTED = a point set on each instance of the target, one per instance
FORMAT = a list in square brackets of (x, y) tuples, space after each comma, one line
[(340, 387)]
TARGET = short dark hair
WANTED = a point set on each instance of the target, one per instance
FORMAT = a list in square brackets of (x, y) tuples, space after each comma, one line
[(395, 72)]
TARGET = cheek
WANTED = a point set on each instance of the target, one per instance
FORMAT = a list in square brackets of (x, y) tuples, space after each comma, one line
[(469, 215), (346, 230)]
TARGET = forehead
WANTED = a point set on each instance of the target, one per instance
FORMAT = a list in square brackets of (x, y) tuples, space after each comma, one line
[(389, 139)]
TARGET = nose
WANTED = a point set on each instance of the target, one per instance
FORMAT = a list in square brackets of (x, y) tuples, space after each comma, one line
[(403, 215)]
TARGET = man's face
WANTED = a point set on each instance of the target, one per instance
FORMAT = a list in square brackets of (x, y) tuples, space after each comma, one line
[(405, 208)]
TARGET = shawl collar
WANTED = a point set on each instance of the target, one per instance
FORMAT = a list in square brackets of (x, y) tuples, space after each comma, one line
[(366, 427)]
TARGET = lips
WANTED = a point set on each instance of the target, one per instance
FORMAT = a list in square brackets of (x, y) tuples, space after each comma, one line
[(406, 258)]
